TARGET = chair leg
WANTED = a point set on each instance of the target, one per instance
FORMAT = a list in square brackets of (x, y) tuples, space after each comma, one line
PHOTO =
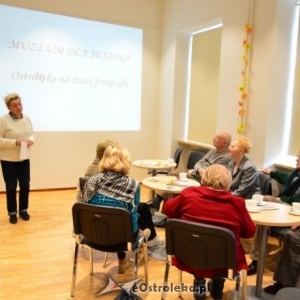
[(180, 281), (163, 293), (74, 269), (105, 260), (244, 283), (146, 262), (136, 262), (91, 261), (237, 285)]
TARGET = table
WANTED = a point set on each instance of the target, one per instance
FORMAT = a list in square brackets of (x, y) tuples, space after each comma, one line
[(154, 165), (265, 218), (168, 185)]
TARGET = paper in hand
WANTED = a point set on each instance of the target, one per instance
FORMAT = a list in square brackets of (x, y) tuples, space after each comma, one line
[(24, 153)]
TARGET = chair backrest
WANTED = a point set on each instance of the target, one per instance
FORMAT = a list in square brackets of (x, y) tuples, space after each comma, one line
[(194, 156), (265, 184), (177, 155), (102, 225), (201, 246)]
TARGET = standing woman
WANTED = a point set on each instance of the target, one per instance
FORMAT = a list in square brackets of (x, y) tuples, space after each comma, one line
[(245, 179), (15, 129)]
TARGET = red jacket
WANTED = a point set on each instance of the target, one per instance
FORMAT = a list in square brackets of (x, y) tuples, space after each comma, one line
[(220, 208)]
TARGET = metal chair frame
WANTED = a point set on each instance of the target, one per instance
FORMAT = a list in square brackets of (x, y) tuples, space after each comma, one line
[(107, 229)]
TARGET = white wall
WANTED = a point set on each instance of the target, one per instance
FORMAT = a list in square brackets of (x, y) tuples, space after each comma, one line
[(58, 158), (269, 67)]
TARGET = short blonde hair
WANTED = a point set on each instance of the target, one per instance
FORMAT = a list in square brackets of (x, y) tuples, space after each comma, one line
[(10, 97), (217, 177), (115, 159), (101, 146), (244, 143)]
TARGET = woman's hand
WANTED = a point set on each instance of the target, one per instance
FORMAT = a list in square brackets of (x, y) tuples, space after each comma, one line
[(267, 171), (295, 227), (20, 140), (272, 199), (29, 143)]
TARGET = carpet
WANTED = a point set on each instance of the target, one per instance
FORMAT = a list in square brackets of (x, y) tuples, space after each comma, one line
[(158, 252)]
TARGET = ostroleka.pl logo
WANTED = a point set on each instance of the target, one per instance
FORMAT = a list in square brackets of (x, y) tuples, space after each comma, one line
[(131, 288)]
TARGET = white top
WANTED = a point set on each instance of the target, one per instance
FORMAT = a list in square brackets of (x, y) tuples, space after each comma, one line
[(10, 130)]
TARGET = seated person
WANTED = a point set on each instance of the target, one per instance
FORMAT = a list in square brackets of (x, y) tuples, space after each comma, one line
[(218, 155), (93, 168), (213, 204), (289, 193), (288, 267), (113, 187), (245, 179)]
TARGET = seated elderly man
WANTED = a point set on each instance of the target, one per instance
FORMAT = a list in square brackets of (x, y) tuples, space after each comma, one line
[(213, 204), (290, 192), (218, 155)]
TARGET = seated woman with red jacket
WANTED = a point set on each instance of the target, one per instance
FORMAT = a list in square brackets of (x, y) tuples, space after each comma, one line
[(213, 204)]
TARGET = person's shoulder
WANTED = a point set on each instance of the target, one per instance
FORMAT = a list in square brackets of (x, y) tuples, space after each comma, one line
[(5, 117), (94, 177), (238, 199), (26, 117), (248, 163), (238, 202), (211, 151)]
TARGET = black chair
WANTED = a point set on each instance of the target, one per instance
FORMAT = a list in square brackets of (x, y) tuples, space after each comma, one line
[(107, 229), (266, 189), (194, 156), (265, 184), (204, 247)]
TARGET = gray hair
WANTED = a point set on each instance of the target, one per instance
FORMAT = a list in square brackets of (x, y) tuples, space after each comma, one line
[(10, 97)]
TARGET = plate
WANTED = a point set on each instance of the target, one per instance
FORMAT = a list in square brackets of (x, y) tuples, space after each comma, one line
[(294, 213), (153, 179), (262, 203), (253, 209), (182, 183)]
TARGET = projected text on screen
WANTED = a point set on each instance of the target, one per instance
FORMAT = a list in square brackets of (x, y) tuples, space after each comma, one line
[(72, 74)]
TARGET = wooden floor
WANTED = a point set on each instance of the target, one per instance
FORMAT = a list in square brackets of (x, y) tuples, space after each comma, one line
[(36, 256)]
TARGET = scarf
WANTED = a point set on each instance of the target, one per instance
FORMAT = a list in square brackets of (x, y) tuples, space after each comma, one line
[(117, 186)]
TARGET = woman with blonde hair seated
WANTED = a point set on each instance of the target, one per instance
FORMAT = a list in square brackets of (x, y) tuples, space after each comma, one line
[(213, 204), (245, 178), (113, 187)]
